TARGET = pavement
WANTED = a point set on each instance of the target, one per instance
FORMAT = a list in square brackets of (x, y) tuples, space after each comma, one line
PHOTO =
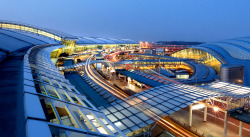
[(214, 127)]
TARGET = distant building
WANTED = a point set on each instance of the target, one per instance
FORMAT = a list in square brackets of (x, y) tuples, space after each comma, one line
[(150, 51), (160, 51), (168, 46)]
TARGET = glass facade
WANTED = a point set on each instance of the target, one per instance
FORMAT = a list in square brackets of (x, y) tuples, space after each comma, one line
[(67, 112), (201, 55)]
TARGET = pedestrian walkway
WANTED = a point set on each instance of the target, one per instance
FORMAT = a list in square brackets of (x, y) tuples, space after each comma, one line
[(124, 84), (214, 127)]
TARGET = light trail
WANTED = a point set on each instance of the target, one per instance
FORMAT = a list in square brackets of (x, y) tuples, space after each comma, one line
[(167, 125), (96, 79)]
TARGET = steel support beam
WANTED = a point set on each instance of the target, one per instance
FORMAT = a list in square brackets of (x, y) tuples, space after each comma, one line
[(205, 111), (240, 129), (225, 124), (190, 115)]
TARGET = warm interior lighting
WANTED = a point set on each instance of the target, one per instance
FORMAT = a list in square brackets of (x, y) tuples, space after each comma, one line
[(198, 54), (199, 106)]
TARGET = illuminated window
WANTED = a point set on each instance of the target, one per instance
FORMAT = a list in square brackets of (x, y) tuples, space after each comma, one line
[(198, 54), (65, 117)]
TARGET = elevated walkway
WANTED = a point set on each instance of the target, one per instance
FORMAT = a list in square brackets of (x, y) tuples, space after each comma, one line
[(162, 101), (141, 79), (165, 72)]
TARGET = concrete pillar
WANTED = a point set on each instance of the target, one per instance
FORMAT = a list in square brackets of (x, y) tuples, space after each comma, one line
[(240, 129), (205, 111), (190, 115), (225, 124)]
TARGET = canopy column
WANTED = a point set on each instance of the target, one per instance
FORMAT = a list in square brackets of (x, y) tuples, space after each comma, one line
[(190, 115)]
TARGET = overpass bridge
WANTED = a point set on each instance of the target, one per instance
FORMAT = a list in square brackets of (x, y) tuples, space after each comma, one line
[(202, 73)]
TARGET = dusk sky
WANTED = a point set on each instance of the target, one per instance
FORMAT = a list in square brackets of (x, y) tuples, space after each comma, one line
[(140, 20)]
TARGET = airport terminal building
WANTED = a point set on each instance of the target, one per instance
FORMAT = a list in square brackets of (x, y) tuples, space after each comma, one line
[(234, 52), (40, 100), (37, 99)]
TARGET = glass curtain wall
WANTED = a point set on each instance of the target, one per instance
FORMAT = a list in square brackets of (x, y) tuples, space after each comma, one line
[(200, 55)]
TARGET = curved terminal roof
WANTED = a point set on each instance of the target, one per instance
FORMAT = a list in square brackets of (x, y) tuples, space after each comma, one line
[(58, 35), (34, 29), (232, 51), (235, 48), (59, 93), (228, 89), (162, 101), (28, 66), (12, 40)]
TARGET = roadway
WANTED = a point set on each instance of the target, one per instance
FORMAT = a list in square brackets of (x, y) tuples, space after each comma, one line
[(174, 129), (112, 57)]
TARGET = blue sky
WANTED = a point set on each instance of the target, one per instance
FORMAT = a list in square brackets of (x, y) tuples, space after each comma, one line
[(140, 20)]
